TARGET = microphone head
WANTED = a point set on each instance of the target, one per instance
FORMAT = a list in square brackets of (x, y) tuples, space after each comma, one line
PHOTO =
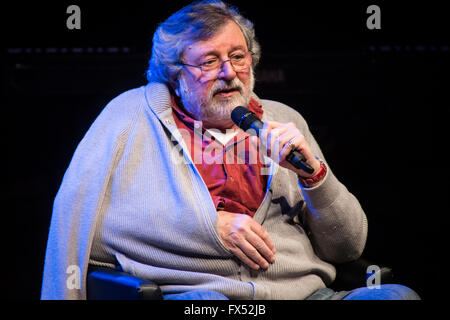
[(244, 118)]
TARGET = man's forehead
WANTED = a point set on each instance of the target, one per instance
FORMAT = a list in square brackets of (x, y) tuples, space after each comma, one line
[(228, 38)]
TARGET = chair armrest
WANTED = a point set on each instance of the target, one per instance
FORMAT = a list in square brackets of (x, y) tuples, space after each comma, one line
[(352, 275), (109, 284)]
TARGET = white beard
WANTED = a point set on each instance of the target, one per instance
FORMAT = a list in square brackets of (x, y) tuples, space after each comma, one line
[(215, 108)]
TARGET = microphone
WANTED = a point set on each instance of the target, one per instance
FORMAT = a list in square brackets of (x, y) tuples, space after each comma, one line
[(245, 119)]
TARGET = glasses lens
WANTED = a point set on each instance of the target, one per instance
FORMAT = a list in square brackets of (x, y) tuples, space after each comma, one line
[(211, 64), (239, 62)]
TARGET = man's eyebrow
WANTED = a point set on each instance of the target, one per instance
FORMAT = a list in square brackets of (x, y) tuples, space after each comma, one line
[(209, 53), (216, 53), (238, 48)]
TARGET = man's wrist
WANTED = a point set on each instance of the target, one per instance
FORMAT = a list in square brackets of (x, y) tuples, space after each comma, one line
[(315, 179)]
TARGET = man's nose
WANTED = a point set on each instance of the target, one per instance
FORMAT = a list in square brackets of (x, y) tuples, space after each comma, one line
[(227, 71)]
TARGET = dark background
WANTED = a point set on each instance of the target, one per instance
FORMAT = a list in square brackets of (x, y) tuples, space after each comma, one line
[(376, 101)]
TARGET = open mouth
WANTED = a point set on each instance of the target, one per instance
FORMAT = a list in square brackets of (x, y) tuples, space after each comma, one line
[(226, 92)]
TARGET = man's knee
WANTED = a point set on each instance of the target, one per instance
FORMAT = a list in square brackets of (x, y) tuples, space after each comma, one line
[(401, 292), (384, 292), (196, 295)]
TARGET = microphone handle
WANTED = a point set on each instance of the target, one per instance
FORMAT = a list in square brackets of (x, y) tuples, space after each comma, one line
[(298, 161)]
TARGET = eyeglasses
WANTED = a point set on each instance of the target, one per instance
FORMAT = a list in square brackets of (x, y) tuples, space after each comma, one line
[(239, 61)]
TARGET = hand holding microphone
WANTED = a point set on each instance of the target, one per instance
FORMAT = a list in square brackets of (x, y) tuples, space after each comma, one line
[(294, 152), (240, 233)]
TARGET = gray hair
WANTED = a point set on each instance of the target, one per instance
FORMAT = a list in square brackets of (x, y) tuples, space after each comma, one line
[(198, 21)]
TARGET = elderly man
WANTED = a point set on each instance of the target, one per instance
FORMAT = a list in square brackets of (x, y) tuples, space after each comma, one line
[(166, 187)]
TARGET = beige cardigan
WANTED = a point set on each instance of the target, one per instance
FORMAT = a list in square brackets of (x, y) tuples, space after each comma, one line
[(132, 196)]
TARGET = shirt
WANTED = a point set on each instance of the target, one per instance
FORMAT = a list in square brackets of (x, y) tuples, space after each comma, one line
[(231, 170)]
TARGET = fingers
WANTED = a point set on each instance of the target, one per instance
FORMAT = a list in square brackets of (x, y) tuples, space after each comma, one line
[(252, 251), (246, 239), (241, 255), (280, 139), (269, 136), (259, 251), (266, 247)]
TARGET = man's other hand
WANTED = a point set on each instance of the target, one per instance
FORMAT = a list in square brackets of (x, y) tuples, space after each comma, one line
[(246, 239)]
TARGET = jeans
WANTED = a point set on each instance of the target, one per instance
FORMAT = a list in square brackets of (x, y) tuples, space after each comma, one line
[(385, 292), (196, 295)]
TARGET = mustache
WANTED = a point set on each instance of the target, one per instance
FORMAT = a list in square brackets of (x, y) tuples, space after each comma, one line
[(220, 86)]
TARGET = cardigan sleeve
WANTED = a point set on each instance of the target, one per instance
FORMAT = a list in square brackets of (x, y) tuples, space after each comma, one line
[(79, 200), (335, 222), (333, 216)]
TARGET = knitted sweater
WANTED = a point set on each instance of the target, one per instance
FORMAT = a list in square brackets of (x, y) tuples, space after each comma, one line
[(132, 196)]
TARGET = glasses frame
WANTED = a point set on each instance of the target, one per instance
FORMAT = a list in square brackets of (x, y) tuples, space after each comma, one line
[(219, 67)]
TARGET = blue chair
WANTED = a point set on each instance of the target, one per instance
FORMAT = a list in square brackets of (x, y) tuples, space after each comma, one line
[(114, 284)]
